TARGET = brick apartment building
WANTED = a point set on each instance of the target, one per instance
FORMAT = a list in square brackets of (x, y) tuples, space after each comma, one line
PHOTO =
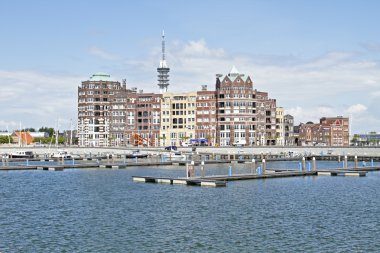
[(235, 109), (331, 131), (266, 119), (143, 118), (100, 111), (206, 126), (339, 130), (234, 113)]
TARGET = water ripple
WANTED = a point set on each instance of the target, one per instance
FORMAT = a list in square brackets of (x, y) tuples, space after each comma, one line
[(104, 211)]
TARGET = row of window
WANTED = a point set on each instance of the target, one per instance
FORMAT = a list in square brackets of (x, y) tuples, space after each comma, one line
[(206, 112), (205, 120), (237, 134), (236, 95), (115, 86), (179, 127), (201, 127), (237, 103), (178, 112), (237, 119), (237, 111), (95, 92), (118, 120), (236, 127), (205, 97)]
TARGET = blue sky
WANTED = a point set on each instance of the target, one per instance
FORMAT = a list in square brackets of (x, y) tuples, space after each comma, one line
[(317, 58)]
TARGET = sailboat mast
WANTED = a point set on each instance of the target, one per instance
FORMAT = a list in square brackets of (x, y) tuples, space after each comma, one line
[(9, 137), (19, 136), (71, 132), (56, 135)]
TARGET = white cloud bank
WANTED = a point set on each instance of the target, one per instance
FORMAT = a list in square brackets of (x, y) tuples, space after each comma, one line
[(37, 99), (334, 84), (337, 83)]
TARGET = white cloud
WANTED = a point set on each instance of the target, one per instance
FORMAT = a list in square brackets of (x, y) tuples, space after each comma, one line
[(333, 84), (337, 83), (305, 114), (356, 109), (330, 59), (8, 124), (199, 49), (37, 99)]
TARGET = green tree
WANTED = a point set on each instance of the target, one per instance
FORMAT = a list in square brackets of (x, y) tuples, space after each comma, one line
[(5, 139), (48, 140), (29, 129), (48, 130)]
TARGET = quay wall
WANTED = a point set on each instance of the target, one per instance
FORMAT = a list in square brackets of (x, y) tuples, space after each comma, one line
[(273, 150), (297, 151)]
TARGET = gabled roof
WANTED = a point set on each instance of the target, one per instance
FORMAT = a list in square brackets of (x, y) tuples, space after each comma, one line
[(234, 70), (233, 74), (25, 137)]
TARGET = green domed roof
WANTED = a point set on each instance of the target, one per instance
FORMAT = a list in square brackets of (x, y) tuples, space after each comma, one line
[(101, 76)]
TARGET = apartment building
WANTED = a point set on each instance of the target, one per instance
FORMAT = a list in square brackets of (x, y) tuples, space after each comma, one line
[(339, 130), (311, 134), (235, 109), (178, 118), (332, 131), (280, 131), (234, 113), (143, 118), (117, 117), (266, 119), (289, 130), (98, 100), (205, 129)]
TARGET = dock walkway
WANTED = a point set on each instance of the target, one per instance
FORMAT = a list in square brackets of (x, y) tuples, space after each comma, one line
[(220, 180)]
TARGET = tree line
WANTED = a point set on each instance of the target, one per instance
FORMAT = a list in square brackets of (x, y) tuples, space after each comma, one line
[(41, 140)]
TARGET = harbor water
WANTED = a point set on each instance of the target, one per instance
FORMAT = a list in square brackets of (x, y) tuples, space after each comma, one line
[(102, 210)]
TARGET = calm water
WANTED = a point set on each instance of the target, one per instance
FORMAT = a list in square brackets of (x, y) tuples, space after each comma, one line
[(104, 211)]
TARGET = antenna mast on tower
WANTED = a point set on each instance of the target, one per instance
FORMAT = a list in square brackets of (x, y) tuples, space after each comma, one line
[(163, 69)]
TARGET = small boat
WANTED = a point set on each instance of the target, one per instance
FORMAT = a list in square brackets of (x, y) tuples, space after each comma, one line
[(136, 154), (61, 154), (22, 154), (174, 156)]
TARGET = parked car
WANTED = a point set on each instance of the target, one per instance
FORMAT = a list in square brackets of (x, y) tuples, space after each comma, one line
[(171, 148)]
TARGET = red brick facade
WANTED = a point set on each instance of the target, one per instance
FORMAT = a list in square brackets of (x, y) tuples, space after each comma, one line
[(332, 131)]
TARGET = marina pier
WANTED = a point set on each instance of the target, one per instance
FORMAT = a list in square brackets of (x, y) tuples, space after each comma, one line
[(199, 161)]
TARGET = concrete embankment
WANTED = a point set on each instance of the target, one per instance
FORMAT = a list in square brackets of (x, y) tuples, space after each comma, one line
[(297, 151)]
